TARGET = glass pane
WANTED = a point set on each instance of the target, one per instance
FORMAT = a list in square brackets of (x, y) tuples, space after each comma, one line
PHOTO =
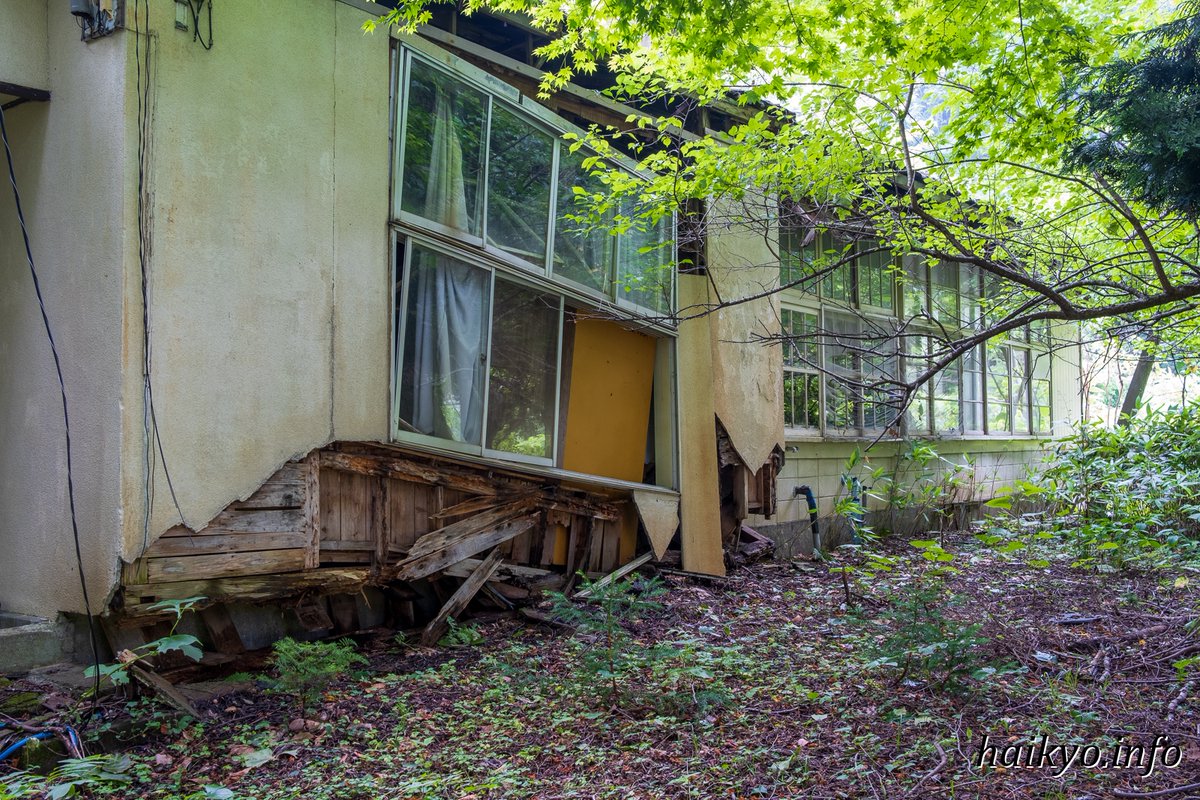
[(875, 277), (841, 359), (946, 396), (520, 159), (918, 409), (998, 386), (524, 371), (839, 284), (645, 266), (793, 398), (798, 260), (800, 349), (443, 149), (1041, 406), (445, 343), (1019, 363), (839, 407), (812, 402), (944, 282), (581, 254), (916, 286), (968, 276), (972, 391)]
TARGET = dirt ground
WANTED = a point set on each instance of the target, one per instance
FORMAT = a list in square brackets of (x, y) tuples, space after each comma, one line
[(771, 687)]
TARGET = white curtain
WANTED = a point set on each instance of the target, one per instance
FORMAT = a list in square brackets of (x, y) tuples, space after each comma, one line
[(449, 304)]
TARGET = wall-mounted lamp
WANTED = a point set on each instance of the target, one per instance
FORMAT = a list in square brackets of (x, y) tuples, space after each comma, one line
[(84, 9)]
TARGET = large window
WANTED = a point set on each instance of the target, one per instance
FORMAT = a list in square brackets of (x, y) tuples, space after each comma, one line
[(521, 332), (1002, 389), (478, 163)]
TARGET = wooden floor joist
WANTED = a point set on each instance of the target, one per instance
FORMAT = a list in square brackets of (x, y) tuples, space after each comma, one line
[(461, 597)]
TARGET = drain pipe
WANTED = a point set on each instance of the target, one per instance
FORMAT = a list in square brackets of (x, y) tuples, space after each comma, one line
[(807, 491), (12, 749)]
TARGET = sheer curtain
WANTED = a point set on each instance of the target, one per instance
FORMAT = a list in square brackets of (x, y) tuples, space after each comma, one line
[(447, 304)]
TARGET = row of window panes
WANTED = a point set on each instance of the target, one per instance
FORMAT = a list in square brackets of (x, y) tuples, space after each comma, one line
[(473, 163), (1015, 399)]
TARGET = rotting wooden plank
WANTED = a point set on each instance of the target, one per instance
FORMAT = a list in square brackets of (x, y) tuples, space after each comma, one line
[(461, 597), (357, 524), (475, 541), (224, 543), (452, 533), (578, 558), (312, 511), (380, 518), (517, 573), (405, 469), (330, 515), (360, 545), (254, 521), (222, 630), (700, 516), (615, 576), (250, 588), (472, 505), (400, 495), (221, 565), (422, 503), (274, 495)]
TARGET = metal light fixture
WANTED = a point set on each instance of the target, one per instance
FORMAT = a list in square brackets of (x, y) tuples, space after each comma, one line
[(84, 9)]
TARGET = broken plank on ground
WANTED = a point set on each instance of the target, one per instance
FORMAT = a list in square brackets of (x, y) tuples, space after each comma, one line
[(615, 575), (461, 597)]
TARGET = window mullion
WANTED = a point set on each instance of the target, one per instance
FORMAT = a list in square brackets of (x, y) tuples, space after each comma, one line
[(551, 224), (487, 361)]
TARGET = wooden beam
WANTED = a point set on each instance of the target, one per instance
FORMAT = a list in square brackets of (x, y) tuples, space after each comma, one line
[(615, 575), (404, 469), (474, 541), (461, 597), (24, 92), (169, 546), (253, 588), (312, 510)]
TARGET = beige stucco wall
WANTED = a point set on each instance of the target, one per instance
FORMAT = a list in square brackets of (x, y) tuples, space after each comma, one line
[(70, 156), (268, 271), (269, 268), (24, 43), (747, 383)]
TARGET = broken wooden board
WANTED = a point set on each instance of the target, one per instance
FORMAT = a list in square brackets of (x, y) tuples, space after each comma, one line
[(252, 588), (660, 517), (439, 549), (614, 576), (461, 597)]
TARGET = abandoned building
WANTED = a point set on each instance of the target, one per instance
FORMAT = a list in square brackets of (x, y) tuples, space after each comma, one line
[(336, 354)]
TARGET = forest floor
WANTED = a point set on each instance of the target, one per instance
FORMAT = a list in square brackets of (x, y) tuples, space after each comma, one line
[(767, 684)]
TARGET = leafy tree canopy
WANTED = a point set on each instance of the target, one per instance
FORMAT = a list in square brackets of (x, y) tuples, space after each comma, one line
[(952, 131)]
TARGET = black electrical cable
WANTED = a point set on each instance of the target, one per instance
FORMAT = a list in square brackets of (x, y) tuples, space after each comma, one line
[(197, 10), (153, 438), (62, 388)]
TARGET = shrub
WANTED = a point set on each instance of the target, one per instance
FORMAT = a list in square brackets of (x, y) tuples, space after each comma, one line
[(1129, 495), (305, 669)]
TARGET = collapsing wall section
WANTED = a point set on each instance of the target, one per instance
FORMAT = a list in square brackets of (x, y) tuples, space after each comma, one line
[(356, 515)]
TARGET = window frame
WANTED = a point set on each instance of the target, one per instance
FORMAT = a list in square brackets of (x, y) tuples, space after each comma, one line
[(409, 48), (408, 231), (1021, 403)]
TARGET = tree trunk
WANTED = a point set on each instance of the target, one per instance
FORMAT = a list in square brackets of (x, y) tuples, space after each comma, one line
[(1137, 386)]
